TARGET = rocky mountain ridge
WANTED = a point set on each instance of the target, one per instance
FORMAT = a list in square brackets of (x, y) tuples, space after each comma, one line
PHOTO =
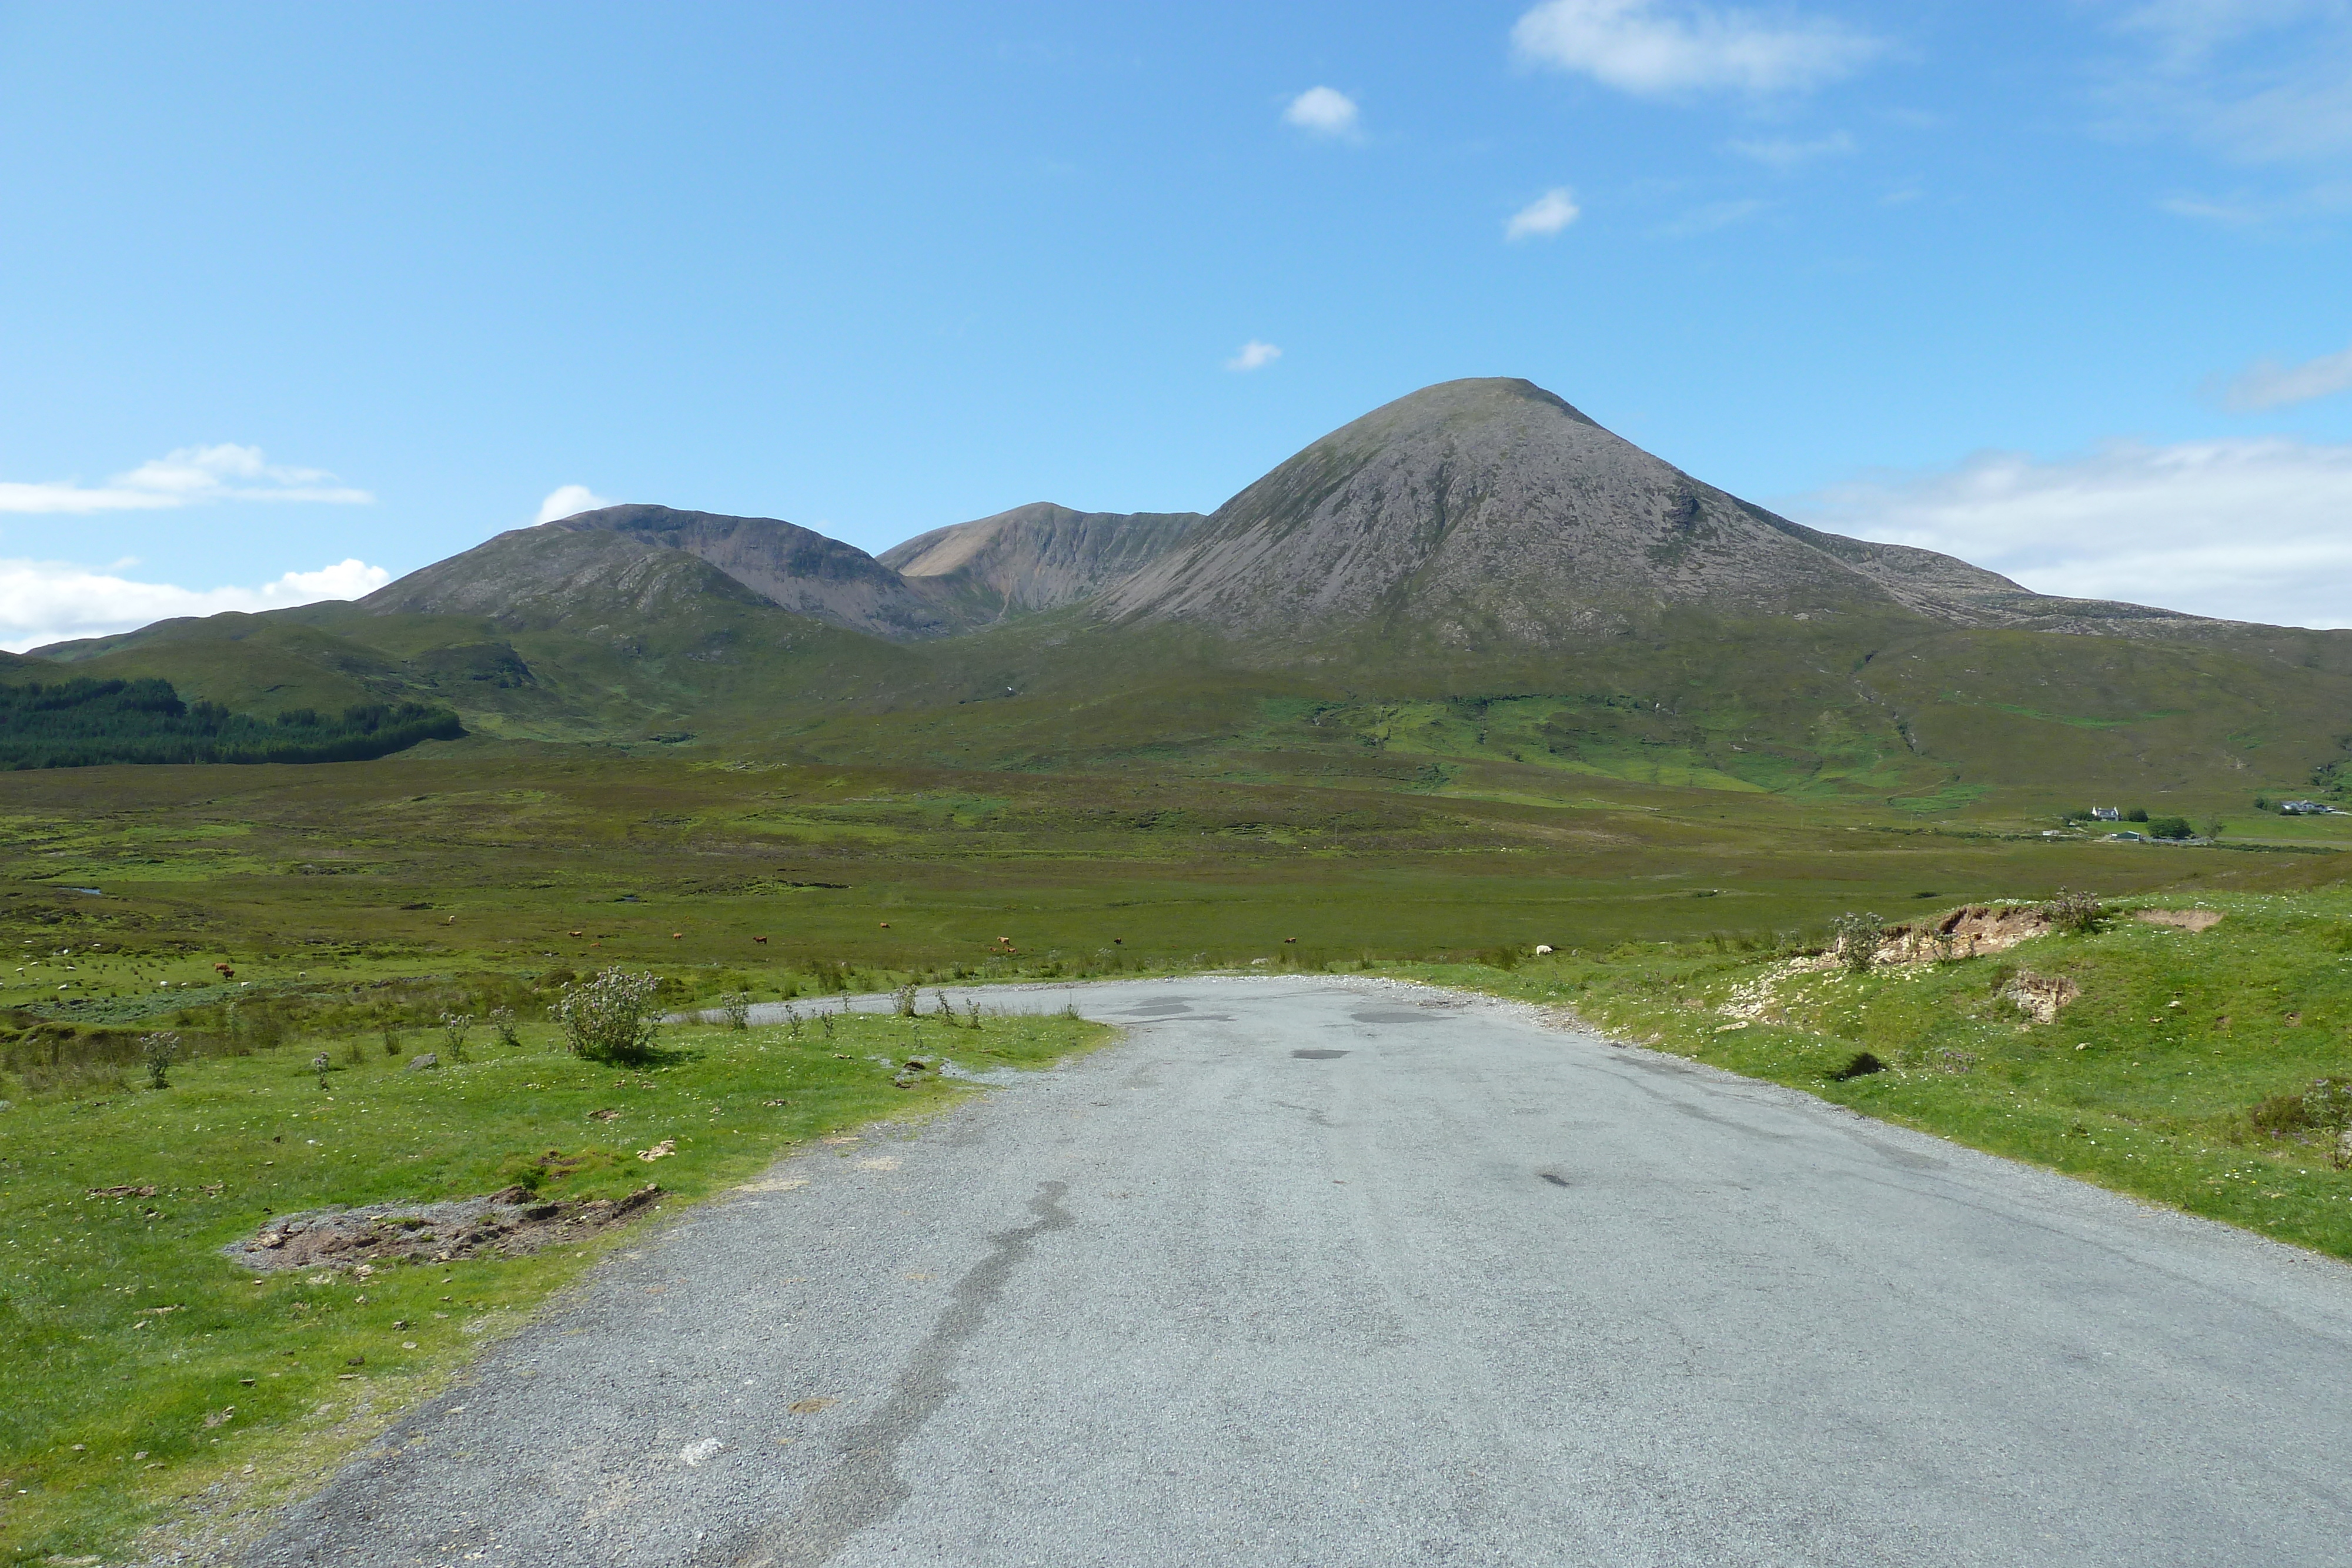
[(1477, 569)]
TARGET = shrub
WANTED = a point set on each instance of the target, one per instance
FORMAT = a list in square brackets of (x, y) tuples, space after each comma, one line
[(2169, 828), (158, 1051), (2079, 912), (736, 1008), (2327, 1106), (2136, 814), (610, 1018), (905, 1000), (2281, 1116), (502, 1024), (455, 1028), (1856, 934)]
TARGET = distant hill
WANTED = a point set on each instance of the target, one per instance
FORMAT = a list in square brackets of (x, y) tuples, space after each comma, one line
[(1034, 558), (1038, 557), (1475, 582)]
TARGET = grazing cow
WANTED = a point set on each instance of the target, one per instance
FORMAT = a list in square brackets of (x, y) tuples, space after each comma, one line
[(578, 934), (678, 936), (1290, 939), (1542, 948), (759, 939)]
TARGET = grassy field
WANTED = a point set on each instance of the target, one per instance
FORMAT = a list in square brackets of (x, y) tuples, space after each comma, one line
[(2175, 1075), (151, 1378), (266, 913)]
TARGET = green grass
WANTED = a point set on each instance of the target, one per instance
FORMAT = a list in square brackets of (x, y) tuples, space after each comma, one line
[(2147, 1084), (350, 898), (146, 1374)]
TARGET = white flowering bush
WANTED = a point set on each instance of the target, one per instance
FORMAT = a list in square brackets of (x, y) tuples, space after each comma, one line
[(610, 1018)]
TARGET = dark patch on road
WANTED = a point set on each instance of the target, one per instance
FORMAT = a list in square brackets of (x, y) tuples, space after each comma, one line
[(863, 1486), (1555, 1180), (1392, 1015), (1148, 1009), (1319, 1055), (1901, 1157)]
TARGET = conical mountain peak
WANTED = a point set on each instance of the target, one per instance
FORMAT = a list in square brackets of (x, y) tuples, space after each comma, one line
[(1484, 513)]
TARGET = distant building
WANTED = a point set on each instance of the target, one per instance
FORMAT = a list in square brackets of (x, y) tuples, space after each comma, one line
[(2107, 813), (2307, 809)]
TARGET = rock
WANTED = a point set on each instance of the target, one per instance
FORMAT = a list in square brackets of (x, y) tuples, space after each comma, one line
[(2041, 996), (420, 1063)]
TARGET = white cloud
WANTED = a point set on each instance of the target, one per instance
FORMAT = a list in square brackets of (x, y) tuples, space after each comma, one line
[(1323, 112), (2236, 214), (1714, 215), (1785, 154), (2266, 383), (1642, 47), (1547, 214), (44, 601), (570, 501), (1253, 356), (2188, 30), (2245, 530), (2259, 81), (190, 476)]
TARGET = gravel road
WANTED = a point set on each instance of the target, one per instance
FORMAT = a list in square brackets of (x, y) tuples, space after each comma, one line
[(1330, 1273)]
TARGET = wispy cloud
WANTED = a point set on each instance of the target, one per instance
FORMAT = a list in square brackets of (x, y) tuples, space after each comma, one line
[(1642, 46), (2235, 214), (44, 601), (2245, 530), (1784, 153), (1254, 355), (1547, 214), (2266, 383), (2260, 81), (1324, 111), (188, 477), (1714, 215), (569, 501)]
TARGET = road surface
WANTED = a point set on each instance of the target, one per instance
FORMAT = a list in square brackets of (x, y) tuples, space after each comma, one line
[(1326, 1272)]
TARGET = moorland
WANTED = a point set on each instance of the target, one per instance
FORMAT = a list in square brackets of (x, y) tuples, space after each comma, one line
[(1470, 690)]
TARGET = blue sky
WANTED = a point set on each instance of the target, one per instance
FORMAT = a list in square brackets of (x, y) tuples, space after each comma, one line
[(292, 297)]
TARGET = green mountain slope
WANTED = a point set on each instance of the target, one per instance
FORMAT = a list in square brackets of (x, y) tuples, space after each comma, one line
[(1473, 589)]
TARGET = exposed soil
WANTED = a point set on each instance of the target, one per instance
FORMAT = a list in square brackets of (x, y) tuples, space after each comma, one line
[(2041, 996), (505, 1224), (2180, 919)]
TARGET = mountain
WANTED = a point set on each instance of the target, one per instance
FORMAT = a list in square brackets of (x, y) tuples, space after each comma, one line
[(1476, 582), (1033, 558), (1038, 557), (1489, 515), (526, 571)]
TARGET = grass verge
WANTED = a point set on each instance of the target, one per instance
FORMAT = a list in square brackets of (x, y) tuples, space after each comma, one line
[(150, 1379), (2174, 1073)]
